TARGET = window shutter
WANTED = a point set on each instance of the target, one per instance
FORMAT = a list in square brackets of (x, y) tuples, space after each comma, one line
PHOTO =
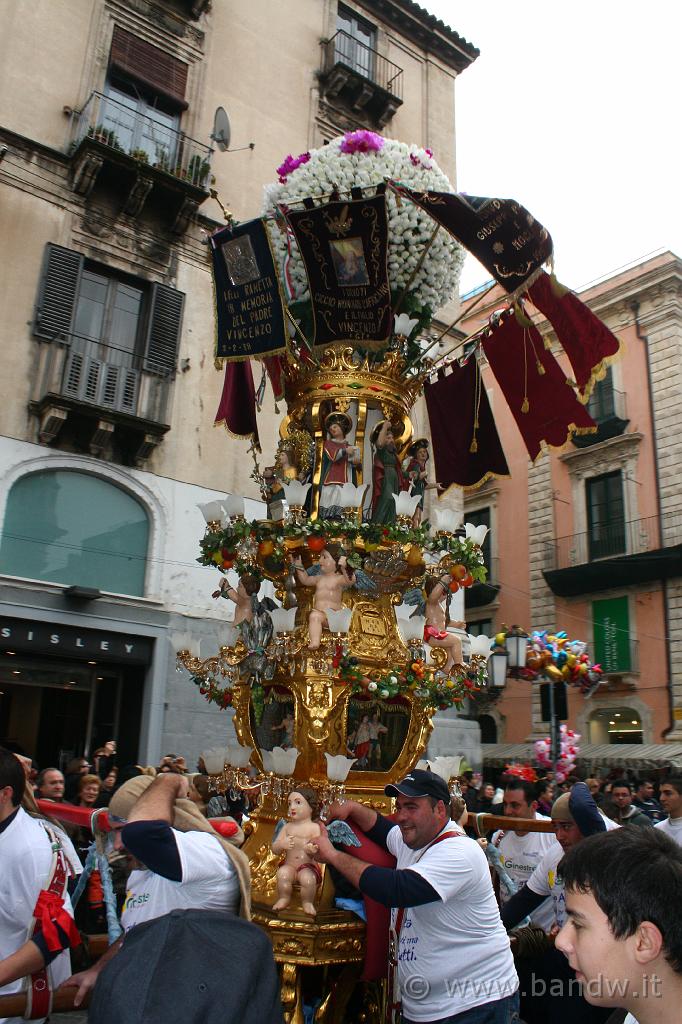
[(57, 293), (150, 65), (163, 330)]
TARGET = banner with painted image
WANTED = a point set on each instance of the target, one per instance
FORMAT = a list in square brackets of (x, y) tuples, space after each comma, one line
[(344, 246), (249, 303)]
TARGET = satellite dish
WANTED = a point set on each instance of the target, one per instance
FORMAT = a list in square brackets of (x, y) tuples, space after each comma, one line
[(221, 130)]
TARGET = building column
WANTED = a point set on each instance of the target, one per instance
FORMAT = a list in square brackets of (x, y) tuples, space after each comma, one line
[(540, 535)]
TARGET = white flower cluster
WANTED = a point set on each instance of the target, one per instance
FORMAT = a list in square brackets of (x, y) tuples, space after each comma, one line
[(409, 228)]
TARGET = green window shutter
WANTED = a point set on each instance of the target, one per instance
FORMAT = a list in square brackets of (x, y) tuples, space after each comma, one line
[(58, 292), (611, 625), (163, 330)]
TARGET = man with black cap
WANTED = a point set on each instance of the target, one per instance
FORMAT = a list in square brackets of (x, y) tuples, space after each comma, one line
[(450, 955)]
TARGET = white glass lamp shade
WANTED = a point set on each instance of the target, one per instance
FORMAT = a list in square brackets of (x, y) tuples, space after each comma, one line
[(187, 642), (475, 533), (215, 759), (412, 628), (295, 492), (406, 503), (284, 761), (283, 620), (212, 511), (351, 496), (240, 756), (423, 766), (338, 767), (446, 520), (403, 324), (446, 767), (234, 505), (480, 645), (339, 621), (268, 762)]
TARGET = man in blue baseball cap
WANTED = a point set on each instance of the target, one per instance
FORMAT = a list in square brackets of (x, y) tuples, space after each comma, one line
[(450, 958)]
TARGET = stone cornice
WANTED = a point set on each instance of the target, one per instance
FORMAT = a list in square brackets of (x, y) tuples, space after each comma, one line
[(622, 447), (425, 30)]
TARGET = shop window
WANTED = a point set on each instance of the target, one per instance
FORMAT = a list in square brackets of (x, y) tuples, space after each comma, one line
[(75, 529), (605, 515)]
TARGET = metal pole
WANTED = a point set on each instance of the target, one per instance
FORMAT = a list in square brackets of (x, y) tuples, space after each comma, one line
[(553, 731)]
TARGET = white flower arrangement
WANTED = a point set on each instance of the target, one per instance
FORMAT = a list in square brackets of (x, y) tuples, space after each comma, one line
[(409, 228)]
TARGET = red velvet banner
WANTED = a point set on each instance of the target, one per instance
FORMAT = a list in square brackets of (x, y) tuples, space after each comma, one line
[(237, 409), (454, 403), (542, 402), (584, 338)]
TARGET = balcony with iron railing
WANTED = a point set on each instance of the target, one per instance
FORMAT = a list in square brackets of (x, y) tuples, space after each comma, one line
[(614, 554), (620, 659), (608, 410), (360, 79), (157, 160), (102, 397)]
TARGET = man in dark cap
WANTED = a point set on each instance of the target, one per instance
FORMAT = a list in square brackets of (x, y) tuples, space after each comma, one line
[(450, 958)]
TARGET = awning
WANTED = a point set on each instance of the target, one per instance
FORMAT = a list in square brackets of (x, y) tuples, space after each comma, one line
[(594, 755)]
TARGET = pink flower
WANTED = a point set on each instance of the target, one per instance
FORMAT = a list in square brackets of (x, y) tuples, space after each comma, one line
[(290, 164), (361, 141)]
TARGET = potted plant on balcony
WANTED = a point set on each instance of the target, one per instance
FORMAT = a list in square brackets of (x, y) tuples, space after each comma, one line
[(198, 170), (140, 155), (107, 136)]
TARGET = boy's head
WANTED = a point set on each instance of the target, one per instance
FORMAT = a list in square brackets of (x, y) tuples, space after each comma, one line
[(671, 796), (623, 894)]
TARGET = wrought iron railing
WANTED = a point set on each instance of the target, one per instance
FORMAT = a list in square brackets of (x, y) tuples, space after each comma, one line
[(606, 404), (343, 49), (613, 539), (103, 376), (143, 137), (623, 658)]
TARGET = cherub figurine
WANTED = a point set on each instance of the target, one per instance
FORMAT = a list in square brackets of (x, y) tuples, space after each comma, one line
[(438, 619), (252, 616), (243, 595), (330, 577), (291, 840)]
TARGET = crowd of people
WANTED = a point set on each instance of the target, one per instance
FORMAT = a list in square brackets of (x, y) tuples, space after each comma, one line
[(575, 919)]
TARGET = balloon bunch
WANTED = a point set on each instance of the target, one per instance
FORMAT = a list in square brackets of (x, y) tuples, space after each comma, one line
[(556, 656), (568, 753)]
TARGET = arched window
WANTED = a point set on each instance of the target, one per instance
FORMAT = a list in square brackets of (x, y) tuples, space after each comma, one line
[(77, 529), (618, 724), (488, 728)]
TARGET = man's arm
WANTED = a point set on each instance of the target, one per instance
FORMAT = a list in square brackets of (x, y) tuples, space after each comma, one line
[(158, 800), (520, 905), (27, 960), (84, 981), (148, 834)]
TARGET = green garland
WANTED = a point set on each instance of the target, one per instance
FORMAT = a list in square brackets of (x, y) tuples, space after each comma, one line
[(434, 687)]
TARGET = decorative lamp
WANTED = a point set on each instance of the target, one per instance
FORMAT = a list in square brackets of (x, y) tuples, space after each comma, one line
[(295, 493), (403, 325), (268, 761), (215, 759), (239, 756), (446, 521), (411, 629), (475, 533), (480, 646), (284, 761), (516, 643), (405, 505), (283, 620), (446, 767), (338, 767), (497, 667), (212, 511), (351, 497), (187, 643), (339, 621), (233, 506)]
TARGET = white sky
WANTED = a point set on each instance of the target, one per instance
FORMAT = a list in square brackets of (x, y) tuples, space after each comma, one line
[(574, 110)]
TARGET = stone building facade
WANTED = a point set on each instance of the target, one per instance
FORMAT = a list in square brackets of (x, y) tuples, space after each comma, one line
[(109, 391), (589, 539)]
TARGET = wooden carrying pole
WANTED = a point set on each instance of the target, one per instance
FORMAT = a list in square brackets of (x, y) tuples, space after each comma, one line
[(15, 1005), (483, 823)]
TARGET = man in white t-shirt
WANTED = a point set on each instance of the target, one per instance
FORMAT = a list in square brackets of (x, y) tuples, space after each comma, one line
[(179, 861), (671, 799), (623, 936), (520, 852), (451, 954)]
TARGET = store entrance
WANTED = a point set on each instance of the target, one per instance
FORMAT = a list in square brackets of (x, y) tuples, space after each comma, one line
[(55, 710)]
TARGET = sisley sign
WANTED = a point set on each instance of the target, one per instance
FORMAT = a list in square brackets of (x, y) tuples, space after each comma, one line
[(88, 644)]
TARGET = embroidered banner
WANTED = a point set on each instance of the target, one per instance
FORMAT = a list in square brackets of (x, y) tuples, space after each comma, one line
[(466, 446), (541, 400), (249, 303), (344, 246), (500, 233)]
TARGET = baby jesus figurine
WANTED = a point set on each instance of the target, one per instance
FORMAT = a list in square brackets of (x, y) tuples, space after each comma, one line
[(330, 577), (438, 619), (292, 841)]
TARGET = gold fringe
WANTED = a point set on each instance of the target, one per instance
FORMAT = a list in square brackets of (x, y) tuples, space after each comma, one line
[(545, 447), (239, 437), (599, 372)]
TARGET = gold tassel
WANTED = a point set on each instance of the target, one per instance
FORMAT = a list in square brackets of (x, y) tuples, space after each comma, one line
[(525, 405), (473, 447), (540, 368)]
